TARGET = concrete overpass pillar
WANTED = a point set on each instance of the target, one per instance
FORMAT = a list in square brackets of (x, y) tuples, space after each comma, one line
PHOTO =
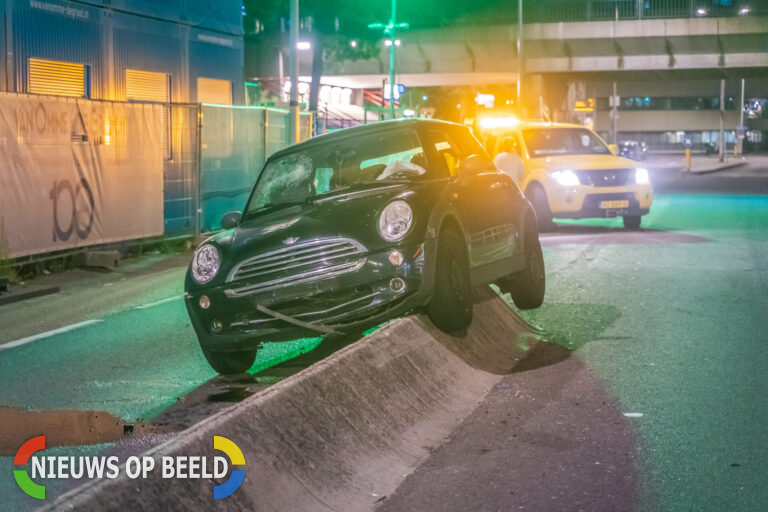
[(543, 95)]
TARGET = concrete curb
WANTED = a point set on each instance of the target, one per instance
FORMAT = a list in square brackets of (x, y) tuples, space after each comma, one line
[(344, 432), (722, 167)]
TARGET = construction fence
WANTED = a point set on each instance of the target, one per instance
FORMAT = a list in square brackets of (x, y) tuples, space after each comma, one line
[(77, 173)]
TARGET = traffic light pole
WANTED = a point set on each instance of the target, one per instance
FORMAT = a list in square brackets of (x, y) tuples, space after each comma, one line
[(293, 70), (389, 31), (392, 59)]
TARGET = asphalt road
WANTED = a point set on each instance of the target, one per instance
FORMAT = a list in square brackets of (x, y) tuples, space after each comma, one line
[(667, 325), (669, 322)]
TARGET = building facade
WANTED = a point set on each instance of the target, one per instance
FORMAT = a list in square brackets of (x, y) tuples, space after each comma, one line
[(175, 51)]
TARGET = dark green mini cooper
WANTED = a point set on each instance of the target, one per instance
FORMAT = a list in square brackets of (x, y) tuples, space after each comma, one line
[(349, 229)]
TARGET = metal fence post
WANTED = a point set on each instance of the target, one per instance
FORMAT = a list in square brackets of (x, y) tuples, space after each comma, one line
[(199, 172)]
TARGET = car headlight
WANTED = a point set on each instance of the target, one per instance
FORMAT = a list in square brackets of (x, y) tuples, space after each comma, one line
[(566, 178), (395, 221), (205, 263), (641, 176)]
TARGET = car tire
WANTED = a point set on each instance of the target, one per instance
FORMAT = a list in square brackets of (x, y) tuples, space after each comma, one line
[(527, 286), (632, 221), (451, 306), (538, 199), (229, 363)]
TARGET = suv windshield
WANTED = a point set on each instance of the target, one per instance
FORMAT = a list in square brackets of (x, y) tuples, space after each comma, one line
[(543, 142), (318, 169)]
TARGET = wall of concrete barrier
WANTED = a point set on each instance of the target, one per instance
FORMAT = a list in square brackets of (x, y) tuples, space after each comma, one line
[(346, 431)]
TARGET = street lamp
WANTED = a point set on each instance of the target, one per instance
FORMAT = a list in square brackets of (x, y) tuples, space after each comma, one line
[(389, 29)]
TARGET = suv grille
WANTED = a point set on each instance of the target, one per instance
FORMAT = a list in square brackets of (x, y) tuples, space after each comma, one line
[(607, 177), (297, 264)]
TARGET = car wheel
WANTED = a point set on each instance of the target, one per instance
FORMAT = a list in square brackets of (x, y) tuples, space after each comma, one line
[(632, 221), (538, 199), (527, 287), (228, 363), (451, 306)]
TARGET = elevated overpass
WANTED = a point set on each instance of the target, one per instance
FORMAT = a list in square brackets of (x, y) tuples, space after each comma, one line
[(718, 47), (667, 71)]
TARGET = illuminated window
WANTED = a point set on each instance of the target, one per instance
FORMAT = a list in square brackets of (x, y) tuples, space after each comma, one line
[(58, 78), (151, 86), (147, 86), (211, 90)]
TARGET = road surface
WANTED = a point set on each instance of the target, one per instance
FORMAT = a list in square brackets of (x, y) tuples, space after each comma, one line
[(667, 324)]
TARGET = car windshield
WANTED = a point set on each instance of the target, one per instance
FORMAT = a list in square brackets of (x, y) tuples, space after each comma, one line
[(543, 142), (345, 162)]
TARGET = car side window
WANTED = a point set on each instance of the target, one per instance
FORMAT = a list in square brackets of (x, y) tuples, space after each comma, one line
[(449, 153)]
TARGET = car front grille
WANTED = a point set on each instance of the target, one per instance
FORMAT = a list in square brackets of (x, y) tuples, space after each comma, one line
[(607, 177), (297, 264)]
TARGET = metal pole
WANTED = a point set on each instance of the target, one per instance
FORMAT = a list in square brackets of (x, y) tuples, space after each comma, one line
[(392, 59), (721, 138), (614, 115), (293, 70), (741, 118), (519, 55)]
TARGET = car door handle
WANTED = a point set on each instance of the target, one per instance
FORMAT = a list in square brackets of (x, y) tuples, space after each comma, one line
[(497, 184)]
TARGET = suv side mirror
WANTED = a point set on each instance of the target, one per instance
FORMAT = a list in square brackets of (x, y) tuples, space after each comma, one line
[(614, 148), (231, 220), (475, 164)]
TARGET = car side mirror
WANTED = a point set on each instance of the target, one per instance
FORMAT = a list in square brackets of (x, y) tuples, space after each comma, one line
[(475, 164), (614, 148), (231, 220)]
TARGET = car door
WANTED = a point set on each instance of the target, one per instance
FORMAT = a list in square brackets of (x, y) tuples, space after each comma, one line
[(480, 196)]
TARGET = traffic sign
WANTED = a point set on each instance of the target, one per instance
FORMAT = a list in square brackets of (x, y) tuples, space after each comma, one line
[(587, 105), (688, 141), (741, 132)]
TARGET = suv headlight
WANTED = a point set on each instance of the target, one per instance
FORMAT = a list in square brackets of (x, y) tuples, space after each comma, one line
[(205, 263), (395, 221), (566, 178), (641, 176)]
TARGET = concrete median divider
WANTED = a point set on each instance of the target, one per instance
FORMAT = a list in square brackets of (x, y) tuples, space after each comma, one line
[(343, 433)]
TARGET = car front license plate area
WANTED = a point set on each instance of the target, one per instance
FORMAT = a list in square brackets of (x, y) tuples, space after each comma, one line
[(613, 205)]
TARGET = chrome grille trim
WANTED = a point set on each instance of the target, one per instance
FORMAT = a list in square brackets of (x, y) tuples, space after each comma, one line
[(305, 277), (606, 177), (298, 263)]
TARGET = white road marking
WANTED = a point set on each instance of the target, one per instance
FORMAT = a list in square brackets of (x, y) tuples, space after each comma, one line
[(47, 334), (161, 301), (633, 414)]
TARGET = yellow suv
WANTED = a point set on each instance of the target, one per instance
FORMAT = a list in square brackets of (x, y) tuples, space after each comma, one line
[(568, 171)]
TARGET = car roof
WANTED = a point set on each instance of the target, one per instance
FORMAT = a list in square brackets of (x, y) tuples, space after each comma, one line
[(364, 129), (548, 124), (533, 123)]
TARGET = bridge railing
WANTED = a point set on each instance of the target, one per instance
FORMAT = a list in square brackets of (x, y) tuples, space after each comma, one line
[(552, 11)]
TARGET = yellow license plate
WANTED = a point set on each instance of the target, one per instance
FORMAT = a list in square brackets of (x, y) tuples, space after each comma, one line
[(609, 205)]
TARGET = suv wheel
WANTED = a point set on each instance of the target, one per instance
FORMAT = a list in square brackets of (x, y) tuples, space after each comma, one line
[(451, 306), (228, 363), (632, 221)]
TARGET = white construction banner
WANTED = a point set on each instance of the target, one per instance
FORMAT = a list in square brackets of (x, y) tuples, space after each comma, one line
[(75, 173)]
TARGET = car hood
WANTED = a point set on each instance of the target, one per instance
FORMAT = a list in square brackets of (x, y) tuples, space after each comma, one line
[(353, 214), (582, 162)]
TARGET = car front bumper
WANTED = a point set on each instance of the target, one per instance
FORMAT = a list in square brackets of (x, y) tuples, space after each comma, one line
[(584, 201), (346, 303)]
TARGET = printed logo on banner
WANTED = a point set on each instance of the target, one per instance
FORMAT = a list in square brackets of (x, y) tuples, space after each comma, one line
[(81, 219)]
